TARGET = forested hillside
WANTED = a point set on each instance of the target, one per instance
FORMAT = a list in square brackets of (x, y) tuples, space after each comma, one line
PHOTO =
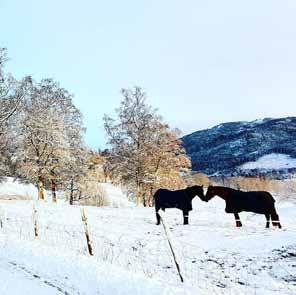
[(225, 149)]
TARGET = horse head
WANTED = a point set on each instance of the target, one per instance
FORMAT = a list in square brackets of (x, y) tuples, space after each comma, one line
[(210, 193), (197, 190)]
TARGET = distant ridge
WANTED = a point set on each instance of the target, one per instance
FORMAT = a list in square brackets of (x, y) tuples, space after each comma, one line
[(223, 149)]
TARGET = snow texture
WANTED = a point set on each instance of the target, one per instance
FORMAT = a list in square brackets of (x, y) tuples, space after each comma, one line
[(131, 253)]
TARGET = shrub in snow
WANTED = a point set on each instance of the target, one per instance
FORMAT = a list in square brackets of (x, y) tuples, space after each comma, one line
[(103, 194)]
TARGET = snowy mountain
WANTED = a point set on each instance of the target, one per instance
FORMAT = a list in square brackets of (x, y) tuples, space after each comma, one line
[(227, 148)]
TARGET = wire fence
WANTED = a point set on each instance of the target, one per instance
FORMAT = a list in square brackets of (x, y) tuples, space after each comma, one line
[(217, 272)]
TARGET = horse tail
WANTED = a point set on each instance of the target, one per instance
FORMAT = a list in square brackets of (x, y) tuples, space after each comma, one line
[(156, 200), (270, 197), (273, 213)]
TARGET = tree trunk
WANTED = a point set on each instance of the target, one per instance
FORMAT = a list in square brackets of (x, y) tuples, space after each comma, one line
[(40, 189), (150, 201), (53, 190), (139, 195), (145, 203)]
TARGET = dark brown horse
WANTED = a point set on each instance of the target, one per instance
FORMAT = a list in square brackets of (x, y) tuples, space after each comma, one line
[(181, 199), (260, 202)]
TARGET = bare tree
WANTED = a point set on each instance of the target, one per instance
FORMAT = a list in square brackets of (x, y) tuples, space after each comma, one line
[(11, 92), (167, 164), (141, 144), (49, 125), (75, 171)]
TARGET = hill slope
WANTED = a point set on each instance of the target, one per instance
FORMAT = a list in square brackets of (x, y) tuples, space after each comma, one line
[(223, 149)]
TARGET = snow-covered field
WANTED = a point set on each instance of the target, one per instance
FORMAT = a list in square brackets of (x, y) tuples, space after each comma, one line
[(11, 188), (131, 254)]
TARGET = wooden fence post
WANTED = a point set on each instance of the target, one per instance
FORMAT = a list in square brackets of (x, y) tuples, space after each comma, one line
[(2, 217), (88, 241), (170, 242), (35, 221)]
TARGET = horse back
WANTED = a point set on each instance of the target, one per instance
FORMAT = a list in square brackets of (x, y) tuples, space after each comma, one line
[(266, 196), (172, 199), (253, 201)]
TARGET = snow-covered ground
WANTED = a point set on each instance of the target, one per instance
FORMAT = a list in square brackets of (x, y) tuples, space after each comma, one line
[(32, 268), (11, 188), (271, 161), (14, 189), (131, 254), (115, 195)]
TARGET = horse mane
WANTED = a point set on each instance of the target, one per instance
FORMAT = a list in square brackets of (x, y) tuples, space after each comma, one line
[(225, 188), (188, 189)]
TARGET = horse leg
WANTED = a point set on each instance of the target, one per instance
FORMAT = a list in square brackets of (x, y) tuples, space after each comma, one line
[(267, 216), (185, 216), (237, 220), (157, 216), (275, 218)]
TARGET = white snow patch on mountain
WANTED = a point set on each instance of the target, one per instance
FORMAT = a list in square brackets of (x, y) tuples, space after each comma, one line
[(271, 161)]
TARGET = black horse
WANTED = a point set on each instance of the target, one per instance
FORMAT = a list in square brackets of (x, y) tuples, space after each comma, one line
[(260, 202), (181, 199)]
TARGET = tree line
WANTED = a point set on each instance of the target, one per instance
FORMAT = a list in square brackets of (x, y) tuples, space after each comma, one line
[(42, 142)]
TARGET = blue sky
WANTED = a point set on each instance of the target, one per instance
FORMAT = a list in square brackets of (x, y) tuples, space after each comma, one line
[(201, 62)]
